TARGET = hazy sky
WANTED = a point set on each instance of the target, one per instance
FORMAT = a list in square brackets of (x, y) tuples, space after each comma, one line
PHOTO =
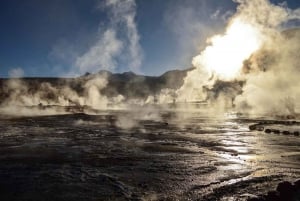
[(63, 37)]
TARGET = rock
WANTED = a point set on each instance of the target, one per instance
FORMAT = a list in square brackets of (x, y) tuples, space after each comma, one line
[(272, 196), (257, 127), (290, 116), (260, 128), (296, 133), (297, 184), (268, 130), (285, 132), (253, 127), (286, 190), (256, 199)]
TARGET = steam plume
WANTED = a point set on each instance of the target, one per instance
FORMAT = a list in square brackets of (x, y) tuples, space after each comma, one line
[(102, 55), (16, 72), (113, 43), (253, 66), (255, 26)]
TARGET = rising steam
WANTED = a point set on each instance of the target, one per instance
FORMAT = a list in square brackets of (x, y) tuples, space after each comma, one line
[(120, 38), (252, 67), (116, 41), (255, 26), (273, 86)]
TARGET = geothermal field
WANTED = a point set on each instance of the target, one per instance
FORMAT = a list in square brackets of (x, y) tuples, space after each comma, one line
[(163, 156), (225, 128)]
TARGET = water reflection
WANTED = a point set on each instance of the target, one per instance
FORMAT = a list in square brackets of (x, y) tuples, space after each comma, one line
[(197, 157)]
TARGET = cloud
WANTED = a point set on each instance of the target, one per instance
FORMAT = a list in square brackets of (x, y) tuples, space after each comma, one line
[(16, 73)]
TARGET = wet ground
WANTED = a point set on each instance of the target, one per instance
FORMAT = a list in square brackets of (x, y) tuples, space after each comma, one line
[(194, 157)]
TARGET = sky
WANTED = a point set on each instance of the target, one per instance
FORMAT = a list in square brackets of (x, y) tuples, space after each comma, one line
[(66, 38)]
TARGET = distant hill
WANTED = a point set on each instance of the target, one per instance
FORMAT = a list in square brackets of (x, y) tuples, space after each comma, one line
[(132, 85), (127, 84)]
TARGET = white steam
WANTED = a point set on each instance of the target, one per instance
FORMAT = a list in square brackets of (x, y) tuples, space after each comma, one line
[(253, 66), (40, 98), (102, 55), (16, 72), (119, 40), (123, 14), (275, 90), (117, 43), (255, 26), (93, 95)]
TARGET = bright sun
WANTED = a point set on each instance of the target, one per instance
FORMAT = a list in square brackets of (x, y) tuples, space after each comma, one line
[(225, 56)]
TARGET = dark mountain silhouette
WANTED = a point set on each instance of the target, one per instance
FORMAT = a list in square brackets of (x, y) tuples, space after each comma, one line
[(131, 85), (127, 84)]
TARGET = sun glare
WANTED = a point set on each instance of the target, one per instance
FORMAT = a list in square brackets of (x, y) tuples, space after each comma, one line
[(225, 56)]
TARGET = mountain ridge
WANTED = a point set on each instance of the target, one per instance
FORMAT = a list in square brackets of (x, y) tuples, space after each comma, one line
[(127, 84)]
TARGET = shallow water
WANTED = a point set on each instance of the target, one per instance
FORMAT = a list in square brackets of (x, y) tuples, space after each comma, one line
[(176, 157)]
